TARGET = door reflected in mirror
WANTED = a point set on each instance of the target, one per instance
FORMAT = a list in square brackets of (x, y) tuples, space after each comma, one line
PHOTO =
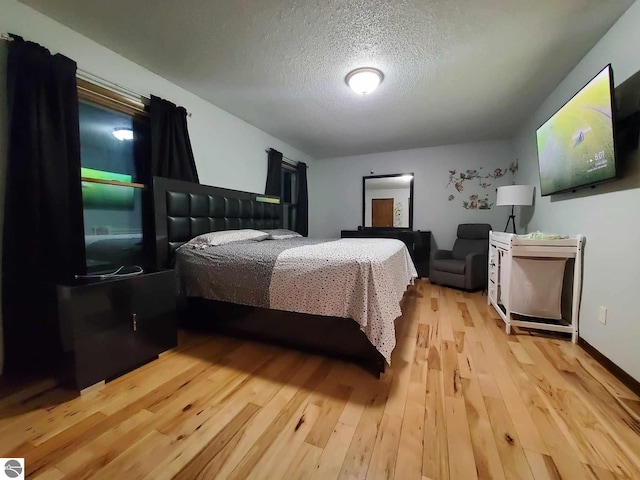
[(387, 201)]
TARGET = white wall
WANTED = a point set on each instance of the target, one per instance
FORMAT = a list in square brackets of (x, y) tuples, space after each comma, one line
[(229, 152), (400, 197), (335, 188), (609, 216)]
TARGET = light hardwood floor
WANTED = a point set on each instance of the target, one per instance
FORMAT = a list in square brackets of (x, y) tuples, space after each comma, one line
[(461, 400)]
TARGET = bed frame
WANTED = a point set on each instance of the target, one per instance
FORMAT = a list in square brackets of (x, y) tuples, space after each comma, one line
[(183, 210)]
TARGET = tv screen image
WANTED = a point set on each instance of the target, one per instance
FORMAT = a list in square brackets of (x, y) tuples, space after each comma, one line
[(576, 145), (99, 195)]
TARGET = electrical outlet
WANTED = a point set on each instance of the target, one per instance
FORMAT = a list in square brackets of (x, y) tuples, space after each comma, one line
[(603, 315)]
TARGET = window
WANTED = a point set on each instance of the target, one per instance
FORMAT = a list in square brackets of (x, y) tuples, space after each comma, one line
[(114, 143), (289, 195)]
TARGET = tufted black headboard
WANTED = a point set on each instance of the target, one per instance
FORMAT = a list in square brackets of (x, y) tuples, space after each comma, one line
[(183, 210)]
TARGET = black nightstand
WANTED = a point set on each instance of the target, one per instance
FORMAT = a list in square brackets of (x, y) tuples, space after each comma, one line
[(111, 326)]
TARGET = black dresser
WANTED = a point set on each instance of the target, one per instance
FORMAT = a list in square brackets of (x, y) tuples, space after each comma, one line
[(418, 243), (111, 326)]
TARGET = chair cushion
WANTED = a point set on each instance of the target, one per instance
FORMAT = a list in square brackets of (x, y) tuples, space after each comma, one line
[(463, 247), (449, 265), (474, 231)]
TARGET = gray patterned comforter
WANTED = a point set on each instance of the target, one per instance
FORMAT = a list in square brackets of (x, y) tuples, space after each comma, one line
[(238, 272), (362, 279)]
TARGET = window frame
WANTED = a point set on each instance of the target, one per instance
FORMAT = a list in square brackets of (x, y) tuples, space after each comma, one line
[(95, 94), (289, 208)]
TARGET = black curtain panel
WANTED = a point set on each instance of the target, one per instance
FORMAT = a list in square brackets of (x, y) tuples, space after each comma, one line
[(274, 173), (43, 224), (171, 152), (302, 209)]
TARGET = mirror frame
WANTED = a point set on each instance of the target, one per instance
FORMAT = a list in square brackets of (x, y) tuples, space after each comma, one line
[(391, 175)]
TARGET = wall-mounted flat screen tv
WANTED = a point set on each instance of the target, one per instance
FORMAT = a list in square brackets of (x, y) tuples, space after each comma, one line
[(576, 146)]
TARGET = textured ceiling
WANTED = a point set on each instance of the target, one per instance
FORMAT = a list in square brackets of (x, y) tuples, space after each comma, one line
[(455, 70)]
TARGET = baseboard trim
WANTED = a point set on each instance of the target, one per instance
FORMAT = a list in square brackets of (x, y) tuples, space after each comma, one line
[(630, 382)]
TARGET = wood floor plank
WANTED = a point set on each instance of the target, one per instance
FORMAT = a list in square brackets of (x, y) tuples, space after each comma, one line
[(173, 411), (462, 463), (485, 449), (197, 468), (106, 447), (277, 458), (352, 411), (358, 457), (264, 442), (450, 371), (435, 460), (410, 450), (461, 399), (401, 376), (330, 462), (336, 397), (76, 460), (50, 474), (232, 454), (510, 449), (621, 424), (542, 466), (483, 372), (563, 453), (520, 353), (596, 473), (385, 450), (611, 456), (56, 447), (598, 372), (13, 396), (446, 314), (304, 463), (420, 366), (518, 410), (136, 461)]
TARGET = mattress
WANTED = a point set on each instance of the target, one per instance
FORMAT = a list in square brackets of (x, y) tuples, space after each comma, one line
[(360, 279)]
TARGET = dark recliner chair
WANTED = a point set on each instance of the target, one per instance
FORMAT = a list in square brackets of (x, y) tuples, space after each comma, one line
[(465, 266)]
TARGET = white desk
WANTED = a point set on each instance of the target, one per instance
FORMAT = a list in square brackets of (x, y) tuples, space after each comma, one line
[(504, 286)]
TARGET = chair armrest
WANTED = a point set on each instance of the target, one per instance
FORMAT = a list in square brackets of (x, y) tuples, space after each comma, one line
[(476, 266), (476, 261), (441, 254)]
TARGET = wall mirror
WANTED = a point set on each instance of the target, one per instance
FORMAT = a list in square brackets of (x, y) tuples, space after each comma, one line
[(387, 201)]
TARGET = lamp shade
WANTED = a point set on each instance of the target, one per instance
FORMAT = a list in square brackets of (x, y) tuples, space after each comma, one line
[(515, 195)]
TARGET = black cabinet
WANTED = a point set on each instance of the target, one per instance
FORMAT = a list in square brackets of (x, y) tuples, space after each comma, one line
[(111, 326), (418, 243)]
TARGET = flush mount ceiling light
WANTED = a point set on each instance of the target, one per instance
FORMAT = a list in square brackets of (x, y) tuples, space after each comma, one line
[(123, 134), (364, 80)]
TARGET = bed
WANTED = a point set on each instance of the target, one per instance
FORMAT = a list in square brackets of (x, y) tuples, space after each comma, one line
[(335, 297)]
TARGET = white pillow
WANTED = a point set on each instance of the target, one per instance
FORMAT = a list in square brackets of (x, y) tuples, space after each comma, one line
[(226, 236), (281, 234)]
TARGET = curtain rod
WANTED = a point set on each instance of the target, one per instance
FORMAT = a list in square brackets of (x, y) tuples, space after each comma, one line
[(122, 90), (285, 159), (103, 82)]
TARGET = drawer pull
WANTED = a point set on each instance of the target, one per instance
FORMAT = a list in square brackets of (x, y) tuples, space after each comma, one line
[(134, 319)]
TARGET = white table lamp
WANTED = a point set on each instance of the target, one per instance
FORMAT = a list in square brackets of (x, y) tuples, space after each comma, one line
[(514, 195)]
